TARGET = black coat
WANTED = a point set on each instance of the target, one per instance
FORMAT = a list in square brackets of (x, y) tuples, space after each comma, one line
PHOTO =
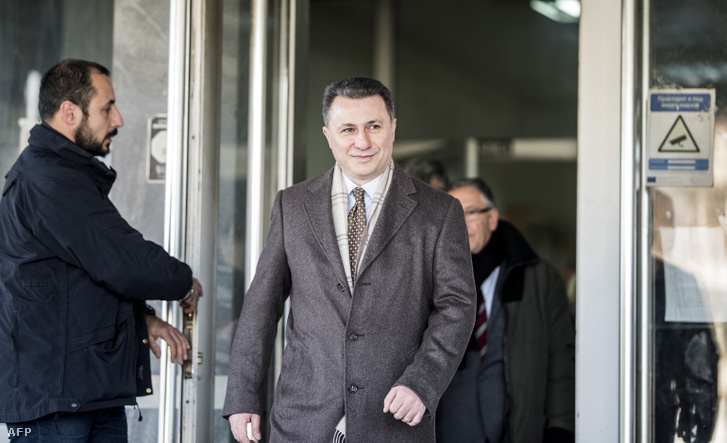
[(73, 276), (538, 360)]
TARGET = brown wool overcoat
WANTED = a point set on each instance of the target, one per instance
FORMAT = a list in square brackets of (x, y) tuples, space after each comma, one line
[(407, 322)]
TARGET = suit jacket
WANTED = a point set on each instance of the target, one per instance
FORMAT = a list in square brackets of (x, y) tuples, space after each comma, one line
[(407, 321)]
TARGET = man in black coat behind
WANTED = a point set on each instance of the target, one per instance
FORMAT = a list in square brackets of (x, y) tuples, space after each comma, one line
[(516, 383)]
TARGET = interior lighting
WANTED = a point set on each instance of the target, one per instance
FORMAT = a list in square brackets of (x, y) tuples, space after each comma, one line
[(562, 11)]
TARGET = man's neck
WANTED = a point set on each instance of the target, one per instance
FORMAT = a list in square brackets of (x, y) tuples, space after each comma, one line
[(61, 129), (369, 186)]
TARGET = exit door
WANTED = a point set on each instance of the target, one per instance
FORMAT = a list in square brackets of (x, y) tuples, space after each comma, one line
[(683, 333)]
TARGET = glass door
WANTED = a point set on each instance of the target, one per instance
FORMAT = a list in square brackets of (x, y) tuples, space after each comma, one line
[(260, 41), (451, 87), (684, 306)]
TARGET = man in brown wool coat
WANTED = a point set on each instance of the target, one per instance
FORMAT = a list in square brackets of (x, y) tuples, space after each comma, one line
[(382, 297)]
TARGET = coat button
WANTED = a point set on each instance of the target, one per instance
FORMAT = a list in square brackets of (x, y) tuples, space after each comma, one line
[(145, 341), (352, 388), (352, 336), (340, 287)]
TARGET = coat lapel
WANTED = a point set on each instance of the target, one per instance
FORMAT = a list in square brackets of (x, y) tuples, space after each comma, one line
[(318, 209), (397, 207)]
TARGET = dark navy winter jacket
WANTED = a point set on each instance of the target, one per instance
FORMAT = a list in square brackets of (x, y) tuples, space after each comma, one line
[(73, 276)]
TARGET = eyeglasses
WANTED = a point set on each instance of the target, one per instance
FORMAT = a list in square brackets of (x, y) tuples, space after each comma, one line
[(474, 212)]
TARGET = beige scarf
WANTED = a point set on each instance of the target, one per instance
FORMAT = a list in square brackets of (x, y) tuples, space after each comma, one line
[(339, 206)]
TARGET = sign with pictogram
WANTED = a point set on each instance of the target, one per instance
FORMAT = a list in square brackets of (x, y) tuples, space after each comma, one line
[(156, 159), (680, 137)]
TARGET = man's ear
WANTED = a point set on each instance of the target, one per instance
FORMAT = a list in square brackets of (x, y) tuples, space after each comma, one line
[(494, 219), (328, 136), (70, 114)]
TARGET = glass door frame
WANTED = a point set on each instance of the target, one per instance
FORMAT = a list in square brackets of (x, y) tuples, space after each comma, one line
[(605, 359), (192, 200), (191, 203)]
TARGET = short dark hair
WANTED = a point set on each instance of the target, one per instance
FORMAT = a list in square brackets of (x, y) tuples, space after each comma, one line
[(356, 87), (425, 169), (478, 184), (68, 80)]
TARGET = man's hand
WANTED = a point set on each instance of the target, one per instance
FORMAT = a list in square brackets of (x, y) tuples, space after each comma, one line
[(405, 405), (238, 425), (178, 345), (189, 302)]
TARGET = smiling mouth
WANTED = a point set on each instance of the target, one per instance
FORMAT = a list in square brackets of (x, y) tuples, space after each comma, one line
[(363, 157)]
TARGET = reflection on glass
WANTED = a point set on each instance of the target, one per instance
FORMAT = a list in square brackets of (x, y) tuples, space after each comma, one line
[(689, 290), (686, 355), (233, 195), (688, 266)]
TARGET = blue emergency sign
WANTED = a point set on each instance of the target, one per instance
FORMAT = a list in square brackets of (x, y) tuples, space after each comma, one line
[(680, 102)]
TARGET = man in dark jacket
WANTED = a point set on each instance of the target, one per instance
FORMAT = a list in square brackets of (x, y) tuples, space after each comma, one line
[(75, 332), (516, 382)]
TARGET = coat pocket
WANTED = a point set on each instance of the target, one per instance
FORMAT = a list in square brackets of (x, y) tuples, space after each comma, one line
[(10, 181), (104, 369), (36, 288), (36, 337)]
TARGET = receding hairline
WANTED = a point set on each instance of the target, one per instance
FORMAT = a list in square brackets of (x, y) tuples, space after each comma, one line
[(357, 88), (358, 99)]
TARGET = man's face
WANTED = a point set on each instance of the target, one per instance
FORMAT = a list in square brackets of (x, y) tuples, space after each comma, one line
[(103, 119), (480, 225), (361, 136)]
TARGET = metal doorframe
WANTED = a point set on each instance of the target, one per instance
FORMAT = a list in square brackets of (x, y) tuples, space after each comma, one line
[(175, 198), (191, 210), (278, 151)]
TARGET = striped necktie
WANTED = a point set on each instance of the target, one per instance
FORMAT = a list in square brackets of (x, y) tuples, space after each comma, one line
[(481, 324)]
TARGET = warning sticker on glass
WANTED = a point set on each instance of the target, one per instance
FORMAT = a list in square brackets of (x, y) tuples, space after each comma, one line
[(680, 136)]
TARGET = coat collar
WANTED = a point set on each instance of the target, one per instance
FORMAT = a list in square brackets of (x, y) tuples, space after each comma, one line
[(45, 138), (317, 204), (518, 256), (517, 250), (396, 208)]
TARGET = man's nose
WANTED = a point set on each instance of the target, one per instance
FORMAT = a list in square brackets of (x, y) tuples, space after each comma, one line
[(363, 140), (116, 120)]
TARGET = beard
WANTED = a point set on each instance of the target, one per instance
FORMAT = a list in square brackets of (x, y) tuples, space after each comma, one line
[(86, 140)]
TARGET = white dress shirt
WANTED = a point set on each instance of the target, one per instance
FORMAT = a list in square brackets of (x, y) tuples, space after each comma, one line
[(369, 190)]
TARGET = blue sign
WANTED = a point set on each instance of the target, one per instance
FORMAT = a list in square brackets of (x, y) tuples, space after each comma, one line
[(680, 102), (682, 164)]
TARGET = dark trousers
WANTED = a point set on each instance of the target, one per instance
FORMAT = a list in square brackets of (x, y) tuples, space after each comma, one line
[(100, 426)]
